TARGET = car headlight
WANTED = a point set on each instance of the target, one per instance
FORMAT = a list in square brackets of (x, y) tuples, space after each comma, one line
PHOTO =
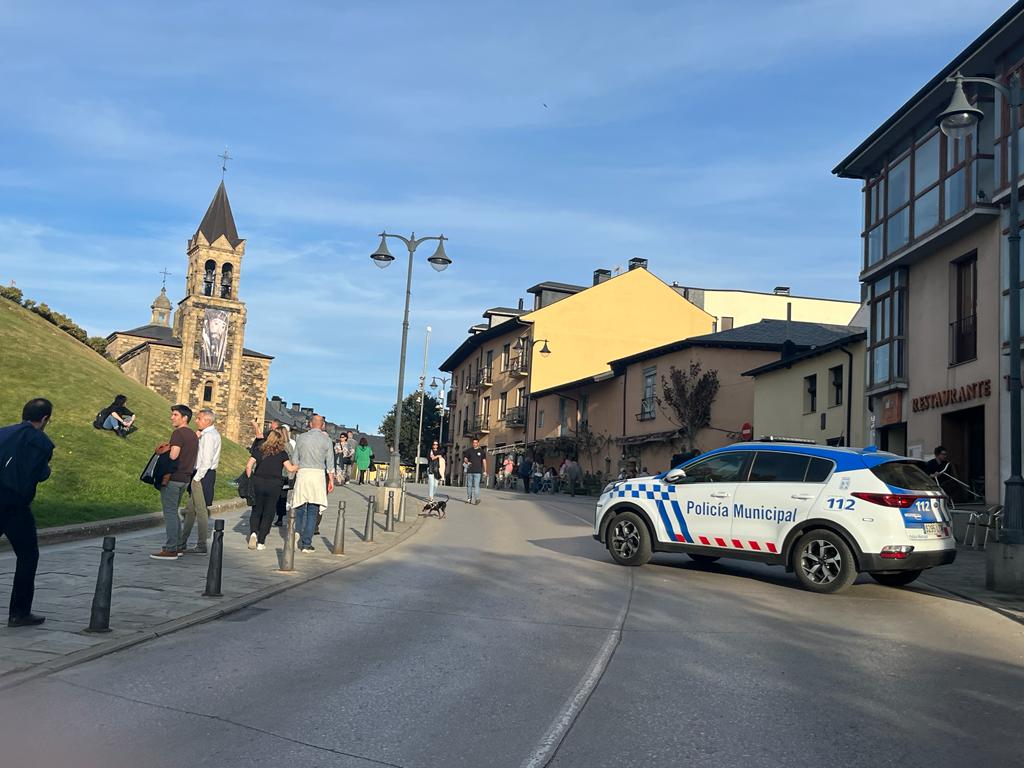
[(608, 487)]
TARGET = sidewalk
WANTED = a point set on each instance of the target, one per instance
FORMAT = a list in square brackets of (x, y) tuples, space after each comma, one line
[(152, 598), (965, 578)]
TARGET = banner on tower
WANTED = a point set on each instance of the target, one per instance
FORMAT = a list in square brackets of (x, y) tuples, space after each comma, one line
[(215, 340)]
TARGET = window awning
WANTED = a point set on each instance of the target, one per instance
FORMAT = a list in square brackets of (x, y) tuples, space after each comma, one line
[(653, 437)]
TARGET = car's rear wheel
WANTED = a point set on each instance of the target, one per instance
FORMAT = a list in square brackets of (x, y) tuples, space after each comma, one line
[(897, 579), (823, 562), (629, 543), (702, 559)]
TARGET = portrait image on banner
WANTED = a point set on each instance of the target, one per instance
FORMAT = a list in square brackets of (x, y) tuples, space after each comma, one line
[(214, 343)]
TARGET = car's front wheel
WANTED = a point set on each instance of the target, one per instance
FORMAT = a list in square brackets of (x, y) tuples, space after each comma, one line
[(897, 579), (823, 562), (628, 540)]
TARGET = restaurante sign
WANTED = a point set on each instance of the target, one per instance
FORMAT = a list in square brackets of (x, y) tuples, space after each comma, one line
[(946, 397)]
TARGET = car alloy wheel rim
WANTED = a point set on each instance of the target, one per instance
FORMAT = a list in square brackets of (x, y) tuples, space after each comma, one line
[(821, 561), (625, 539)]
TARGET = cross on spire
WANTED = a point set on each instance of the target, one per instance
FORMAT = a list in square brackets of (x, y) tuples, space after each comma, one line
[(224, 157), (165, 273)]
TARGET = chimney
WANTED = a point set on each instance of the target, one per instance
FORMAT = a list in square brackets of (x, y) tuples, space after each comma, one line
[(296, 406), (307, 411), (276, 399), (788, 349), (781, 290), (637, 263), (600, 275), (520, 303)]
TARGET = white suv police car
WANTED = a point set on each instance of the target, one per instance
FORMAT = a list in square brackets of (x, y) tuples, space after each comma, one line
[(825, 513)]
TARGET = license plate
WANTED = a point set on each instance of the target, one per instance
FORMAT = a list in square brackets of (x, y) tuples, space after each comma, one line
[(934, 529)]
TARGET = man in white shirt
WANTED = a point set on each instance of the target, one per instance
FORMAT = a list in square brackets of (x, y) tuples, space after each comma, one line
[(201, 488)]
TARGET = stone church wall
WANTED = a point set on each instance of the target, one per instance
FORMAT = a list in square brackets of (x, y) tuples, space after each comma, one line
[(164, 368), (137, 366)]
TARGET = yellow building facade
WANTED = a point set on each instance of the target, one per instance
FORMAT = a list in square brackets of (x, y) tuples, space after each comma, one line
[(733, 308)]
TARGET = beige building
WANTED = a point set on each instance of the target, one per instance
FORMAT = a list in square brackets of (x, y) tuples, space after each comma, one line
[(934, 270), (817, 394), (200, 359), (733, 308)]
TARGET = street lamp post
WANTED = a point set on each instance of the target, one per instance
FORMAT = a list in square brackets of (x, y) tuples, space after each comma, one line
[(957, 121), (423, 381), (527, 349), (383, 258), (440, 405)]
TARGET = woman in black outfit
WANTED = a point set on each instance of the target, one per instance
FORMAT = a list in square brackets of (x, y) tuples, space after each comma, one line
[(266, 467)]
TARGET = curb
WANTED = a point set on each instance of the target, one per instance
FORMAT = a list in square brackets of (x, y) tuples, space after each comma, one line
[(199, 617), (61, 534), (994, 608)]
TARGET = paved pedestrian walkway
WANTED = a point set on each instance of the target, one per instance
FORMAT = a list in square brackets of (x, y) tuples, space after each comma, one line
[(152, 597)]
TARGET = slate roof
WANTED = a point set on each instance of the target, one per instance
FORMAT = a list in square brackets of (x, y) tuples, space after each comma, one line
[(765, 335), (219, 220), (510, 311), (857, 334), (161, 334), (552, 286), (475, 340)]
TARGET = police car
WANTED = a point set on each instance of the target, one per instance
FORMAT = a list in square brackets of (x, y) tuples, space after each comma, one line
[(824, 513)]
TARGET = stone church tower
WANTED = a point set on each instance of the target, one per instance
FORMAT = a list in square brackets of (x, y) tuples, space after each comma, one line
[(201, 360)]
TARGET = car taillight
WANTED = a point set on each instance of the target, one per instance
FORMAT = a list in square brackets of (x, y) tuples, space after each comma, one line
[(900, 500), (896, 551)]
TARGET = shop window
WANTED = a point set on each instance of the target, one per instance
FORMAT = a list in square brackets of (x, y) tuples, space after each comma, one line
[(811, 393)]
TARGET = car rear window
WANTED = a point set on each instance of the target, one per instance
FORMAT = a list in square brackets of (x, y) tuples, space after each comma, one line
[(904, 474)]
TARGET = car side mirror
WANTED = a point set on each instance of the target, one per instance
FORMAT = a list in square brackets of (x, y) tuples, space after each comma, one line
[(675, 476)]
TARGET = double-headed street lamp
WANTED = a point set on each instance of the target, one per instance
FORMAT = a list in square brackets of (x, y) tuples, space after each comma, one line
[(525, 350), (382, 258), (957, 121)]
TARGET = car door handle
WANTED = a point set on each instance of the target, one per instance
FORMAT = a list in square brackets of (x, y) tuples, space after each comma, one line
[(802, 496), (721, 495)]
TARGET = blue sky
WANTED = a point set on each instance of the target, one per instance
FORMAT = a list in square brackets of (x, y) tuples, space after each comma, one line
[(699, 135)]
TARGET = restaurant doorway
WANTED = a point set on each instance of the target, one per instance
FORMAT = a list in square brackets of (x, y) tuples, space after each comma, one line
[(963, 435)]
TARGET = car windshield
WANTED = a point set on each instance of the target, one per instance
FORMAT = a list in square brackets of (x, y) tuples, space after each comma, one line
[(905, 474)]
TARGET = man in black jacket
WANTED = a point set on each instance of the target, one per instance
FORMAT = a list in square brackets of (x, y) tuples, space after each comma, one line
[(25, 453)]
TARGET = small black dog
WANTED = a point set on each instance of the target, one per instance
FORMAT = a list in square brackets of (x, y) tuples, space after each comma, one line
[(437, 508)]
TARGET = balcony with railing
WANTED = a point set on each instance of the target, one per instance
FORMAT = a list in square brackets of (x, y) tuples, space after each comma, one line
[(481, 424), (467, 428), (963, 340), (646, 410), (453, 397), (519, 366), (515, 416), (483, 377), (472, 383)]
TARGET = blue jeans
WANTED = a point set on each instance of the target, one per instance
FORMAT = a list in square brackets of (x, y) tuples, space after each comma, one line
[(111, 422), (305, 523), (473, 486), (431, 485), (170, 498)]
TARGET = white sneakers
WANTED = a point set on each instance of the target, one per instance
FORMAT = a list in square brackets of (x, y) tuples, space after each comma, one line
[(261, 547), (252, 541)]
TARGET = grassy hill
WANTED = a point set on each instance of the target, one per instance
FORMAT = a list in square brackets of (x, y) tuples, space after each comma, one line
[(95, 473)]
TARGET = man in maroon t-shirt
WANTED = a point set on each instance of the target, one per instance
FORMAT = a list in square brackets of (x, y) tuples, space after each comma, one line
[(184, 449)]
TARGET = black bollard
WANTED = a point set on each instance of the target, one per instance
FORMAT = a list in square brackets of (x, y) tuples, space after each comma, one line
[(216, 564), (99, 618), (288, 557), (339, 531), (389, 513), (368, 531)]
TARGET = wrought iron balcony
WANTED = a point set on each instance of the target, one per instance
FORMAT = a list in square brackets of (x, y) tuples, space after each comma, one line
[(646, 410), (963, 340), (483, 377), (519, 366), (481, 424), (515, 416)]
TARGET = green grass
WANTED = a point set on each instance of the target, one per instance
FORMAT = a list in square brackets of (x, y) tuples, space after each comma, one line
[(95, 473)]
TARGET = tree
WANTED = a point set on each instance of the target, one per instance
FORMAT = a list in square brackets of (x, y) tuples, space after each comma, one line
[(687, 397), (590, 443), (411, 425)]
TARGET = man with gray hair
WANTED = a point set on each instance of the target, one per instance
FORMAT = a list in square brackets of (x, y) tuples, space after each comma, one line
[(314, 453), (197, 509)]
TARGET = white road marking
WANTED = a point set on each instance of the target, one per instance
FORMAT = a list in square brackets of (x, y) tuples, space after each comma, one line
[(552, 739)]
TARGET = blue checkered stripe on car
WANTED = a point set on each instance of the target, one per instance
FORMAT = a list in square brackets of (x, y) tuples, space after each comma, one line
[(653, 491)]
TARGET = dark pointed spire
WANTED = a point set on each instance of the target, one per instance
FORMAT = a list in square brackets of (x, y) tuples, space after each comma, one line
[(219, 220)]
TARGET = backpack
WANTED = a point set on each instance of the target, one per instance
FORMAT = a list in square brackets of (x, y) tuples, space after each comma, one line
[(100, 418)]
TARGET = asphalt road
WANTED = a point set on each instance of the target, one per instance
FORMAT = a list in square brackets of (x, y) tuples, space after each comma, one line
[(504, 636)]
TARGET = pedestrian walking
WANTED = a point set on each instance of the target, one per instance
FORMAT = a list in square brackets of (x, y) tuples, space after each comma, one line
[(267, 463), (183, 451), (434, 459), (200, 490), (573, 474), (526, 472), (287, 478), (474, 464), (348, 456), (314, 456), (363, 458), (25, 453)]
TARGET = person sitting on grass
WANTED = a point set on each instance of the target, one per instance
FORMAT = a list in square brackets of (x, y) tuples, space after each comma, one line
[(117, 417)]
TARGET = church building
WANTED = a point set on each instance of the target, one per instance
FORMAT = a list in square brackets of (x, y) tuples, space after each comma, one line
[(199, 358)]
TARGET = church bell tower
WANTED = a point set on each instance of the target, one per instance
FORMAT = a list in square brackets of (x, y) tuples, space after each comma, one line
[(210, 319)]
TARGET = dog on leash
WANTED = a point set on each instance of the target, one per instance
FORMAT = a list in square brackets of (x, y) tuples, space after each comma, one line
[(437, 508)]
